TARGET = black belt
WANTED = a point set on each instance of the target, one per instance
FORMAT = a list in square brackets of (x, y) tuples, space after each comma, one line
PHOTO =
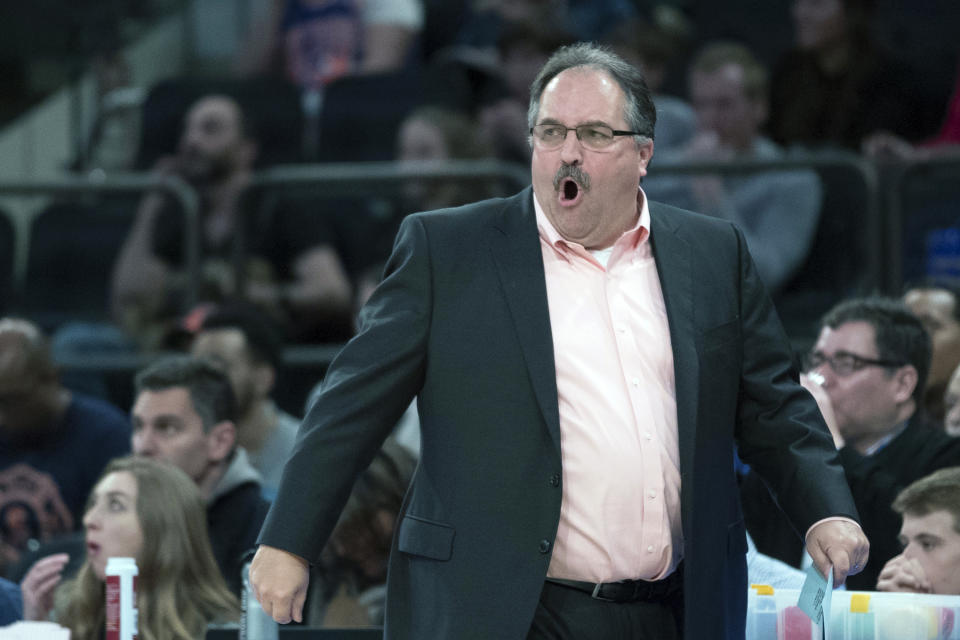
[(627, 590)]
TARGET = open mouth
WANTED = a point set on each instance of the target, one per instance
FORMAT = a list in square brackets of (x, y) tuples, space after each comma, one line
[(570, 183), (92, 548), (570, 192)]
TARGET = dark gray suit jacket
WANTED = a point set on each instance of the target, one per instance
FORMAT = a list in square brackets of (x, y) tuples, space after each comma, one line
[(461, 321)]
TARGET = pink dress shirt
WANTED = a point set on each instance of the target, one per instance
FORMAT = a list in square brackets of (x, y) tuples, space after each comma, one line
[(620, 512)]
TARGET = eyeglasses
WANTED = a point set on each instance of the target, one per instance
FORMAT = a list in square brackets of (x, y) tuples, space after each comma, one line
[(593, 136), (843, 363)]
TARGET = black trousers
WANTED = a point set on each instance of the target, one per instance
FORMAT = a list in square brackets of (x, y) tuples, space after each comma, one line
[(564, 613)]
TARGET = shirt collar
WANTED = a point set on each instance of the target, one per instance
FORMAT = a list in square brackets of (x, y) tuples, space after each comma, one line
[(885, 440), (630, 239)]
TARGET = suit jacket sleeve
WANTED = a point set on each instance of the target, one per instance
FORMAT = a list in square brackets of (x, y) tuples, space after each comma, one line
[(781, 433), (366, 389)]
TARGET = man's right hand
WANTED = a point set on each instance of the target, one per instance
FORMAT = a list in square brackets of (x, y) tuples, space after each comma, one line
[(279, 579)]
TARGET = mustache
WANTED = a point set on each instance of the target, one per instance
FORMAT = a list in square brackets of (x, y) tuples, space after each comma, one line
[(575, 173)]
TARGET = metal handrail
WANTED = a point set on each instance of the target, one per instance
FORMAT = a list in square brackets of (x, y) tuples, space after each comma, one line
[(895, 196), (120, 362), (122, 183), (358, 178), (352, 174)]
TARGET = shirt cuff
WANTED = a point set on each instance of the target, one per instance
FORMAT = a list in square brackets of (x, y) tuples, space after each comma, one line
[(830, 519)]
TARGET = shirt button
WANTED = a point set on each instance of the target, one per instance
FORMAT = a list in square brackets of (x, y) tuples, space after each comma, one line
[(621, 329), (650, 549), (636, 382), (648, 436), (652, 493), (555, 480), (545, 546)]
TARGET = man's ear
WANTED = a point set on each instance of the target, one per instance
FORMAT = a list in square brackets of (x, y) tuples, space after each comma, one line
[(644, 156), (906, 382), (221, 440)]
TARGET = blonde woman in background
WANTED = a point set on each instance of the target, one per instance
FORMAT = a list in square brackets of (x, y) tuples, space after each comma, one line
[(150, 511)]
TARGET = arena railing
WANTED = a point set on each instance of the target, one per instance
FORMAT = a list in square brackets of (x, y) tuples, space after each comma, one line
[(181, 192), (346, 178), (361, 178)]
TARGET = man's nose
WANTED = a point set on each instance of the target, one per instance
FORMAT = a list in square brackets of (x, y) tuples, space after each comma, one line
[(142, 443), (571, 152), (909, 551)]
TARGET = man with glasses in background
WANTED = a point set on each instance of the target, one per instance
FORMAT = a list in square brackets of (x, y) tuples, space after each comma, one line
[(867, 370)]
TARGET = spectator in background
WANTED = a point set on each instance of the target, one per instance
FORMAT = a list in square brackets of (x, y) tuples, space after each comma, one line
[(353, 567), (318, 41), (523, 46), (53, 443), (867, 371), (654, 49), (938, 308), (184, 413), (292, 270), (249, 348), (885, 145), (951, 405), (429, 136), (778, 211), (585, 20), (153, 513), (930, 562), (837, 85), (435, 134)]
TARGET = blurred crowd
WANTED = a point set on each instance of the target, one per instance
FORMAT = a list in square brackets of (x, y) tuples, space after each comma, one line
[(208, 302)]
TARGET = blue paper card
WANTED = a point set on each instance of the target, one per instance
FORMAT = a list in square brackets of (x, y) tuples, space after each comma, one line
[(816, 596)]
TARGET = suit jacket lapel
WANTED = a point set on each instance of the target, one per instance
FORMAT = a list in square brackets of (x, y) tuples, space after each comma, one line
[(674, 260), (515, 245)]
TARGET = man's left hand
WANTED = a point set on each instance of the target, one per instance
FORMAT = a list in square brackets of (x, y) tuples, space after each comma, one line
[(839, 544)]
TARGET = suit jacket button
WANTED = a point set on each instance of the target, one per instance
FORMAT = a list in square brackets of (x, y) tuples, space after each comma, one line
[(545, 546), (555, 480)]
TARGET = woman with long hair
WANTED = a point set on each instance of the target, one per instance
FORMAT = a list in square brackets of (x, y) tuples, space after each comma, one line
[(152, 512)]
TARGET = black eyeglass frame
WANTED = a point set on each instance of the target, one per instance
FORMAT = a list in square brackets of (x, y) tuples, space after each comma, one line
[(614, 132), (813, 360)]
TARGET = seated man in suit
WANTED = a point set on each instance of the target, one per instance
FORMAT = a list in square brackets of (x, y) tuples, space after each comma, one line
[(930, 535), (867, 370)]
